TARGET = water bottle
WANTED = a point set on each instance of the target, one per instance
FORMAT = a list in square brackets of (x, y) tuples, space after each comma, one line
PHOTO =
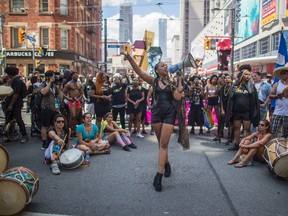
[(87, 157)]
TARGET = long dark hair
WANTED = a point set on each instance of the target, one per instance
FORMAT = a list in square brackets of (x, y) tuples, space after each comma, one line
[(268, 125)]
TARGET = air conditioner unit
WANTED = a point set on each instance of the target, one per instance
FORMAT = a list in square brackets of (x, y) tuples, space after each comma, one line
[(16, 10)]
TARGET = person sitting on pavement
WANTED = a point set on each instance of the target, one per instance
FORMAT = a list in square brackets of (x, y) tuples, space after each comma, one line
[(87, 139), (253, 145), (112, 132), (58, 139)]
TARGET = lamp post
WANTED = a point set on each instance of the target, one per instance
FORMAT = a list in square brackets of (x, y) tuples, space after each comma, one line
[(232, 36), (105, 44), (3, 61)]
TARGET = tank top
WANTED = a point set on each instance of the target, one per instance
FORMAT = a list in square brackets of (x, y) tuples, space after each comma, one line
[(281, 104)]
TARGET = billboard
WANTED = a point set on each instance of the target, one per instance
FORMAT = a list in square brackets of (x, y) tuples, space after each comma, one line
[(268, 11), (249, 20)]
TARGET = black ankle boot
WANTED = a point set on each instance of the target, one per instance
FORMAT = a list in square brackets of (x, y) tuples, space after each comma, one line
[(157, 182), (167, 170)]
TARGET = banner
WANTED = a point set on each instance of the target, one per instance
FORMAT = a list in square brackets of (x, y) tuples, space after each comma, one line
[(268, 11), (223, 52)]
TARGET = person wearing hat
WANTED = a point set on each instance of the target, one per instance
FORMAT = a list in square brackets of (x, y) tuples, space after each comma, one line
[(280, 94), (14, 102), (269, 79), (243, 105)]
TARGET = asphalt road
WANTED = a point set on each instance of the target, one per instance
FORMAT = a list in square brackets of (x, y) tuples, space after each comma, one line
[(121, 183)]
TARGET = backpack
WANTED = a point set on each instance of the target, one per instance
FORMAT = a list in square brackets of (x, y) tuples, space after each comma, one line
[(24, 91)]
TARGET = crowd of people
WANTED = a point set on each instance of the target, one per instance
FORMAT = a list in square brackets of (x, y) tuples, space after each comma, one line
[(69, 103)]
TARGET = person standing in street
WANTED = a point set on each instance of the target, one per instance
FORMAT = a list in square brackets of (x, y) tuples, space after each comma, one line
[(14, 102), (163, 112)]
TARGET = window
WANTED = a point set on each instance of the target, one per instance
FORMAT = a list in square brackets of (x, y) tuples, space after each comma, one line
[(44, 37), (64, 7), (275, 41), (15, 43), (64, 39), (82, 47), (264, 45), (17, 4), (43, 5), (237, 55), (249, 51)]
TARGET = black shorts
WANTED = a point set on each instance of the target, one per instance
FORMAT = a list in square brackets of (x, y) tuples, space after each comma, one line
[(47, 116), (102, 108), (163, 113), (212, 101), (242, 116)]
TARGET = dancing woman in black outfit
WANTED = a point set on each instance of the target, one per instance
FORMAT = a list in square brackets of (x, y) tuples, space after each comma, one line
[(163, 113)]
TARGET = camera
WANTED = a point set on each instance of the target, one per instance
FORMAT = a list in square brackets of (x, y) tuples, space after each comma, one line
[(58, 79)]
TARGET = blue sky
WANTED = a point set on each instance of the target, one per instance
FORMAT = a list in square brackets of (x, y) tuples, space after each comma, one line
[(145, 17)]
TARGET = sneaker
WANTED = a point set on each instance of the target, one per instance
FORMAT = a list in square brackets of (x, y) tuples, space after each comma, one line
[(132, 145), (216, 139), (151, 132), (192, 132), (126, 148), (144, 132), (139, 135), (44, 146), (55, 169), (134, 132), (24, 139), (201, 132), (129, 134)]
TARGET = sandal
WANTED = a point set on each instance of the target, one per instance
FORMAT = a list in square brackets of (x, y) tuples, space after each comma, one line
[(86, 163), (240, 165), (232, 162)]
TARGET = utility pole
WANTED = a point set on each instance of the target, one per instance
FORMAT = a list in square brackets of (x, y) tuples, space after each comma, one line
[(105, 44), (3, 60)]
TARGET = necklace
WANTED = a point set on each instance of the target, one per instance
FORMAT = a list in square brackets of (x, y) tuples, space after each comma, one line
[(226, 90)]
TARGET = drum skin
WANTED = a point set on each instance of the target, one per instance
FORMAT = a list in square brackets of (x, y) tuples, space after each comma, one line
[(13, 197), (71, 158), (4, 159), (276, 155)]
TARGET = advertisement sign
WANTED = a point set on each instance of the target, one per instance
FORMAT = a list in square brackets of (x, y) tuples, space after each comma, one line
[(286, 8), (268, 11), (249, 20)]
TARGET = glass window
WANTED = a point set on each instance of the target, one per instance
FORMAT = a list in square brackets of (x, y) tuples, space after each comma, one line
[(237, 55), (249, 51), (264, 45), (275, 41), (45, 37), (43, 5), (64, 7), (64, 39), (17, 4), (14, 41)]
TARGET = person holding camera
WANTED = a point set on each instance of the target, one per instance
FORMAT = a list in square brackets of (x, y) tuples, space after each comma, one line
[(52, 95), (73, 92)]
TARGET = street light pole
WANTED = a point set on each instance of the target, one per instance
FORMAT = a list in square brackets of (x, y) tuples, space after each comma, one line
[(105, 44), (232, 41)]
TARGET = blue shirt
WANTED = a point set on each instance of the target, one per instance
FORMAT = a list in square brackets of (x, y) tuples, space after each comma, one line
[(81, 129)]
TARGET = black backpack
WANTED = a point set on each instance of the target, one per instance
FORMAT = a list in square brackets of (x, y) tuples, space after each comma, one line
[(24, 91)]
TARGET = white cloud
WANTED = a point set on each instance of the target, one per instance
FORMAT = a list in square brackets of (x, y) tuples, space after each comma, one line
[(148, 22)]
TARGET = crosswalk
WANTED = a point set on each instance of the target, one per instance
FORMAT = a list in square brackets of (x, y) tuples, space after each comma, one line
[(40, 214)]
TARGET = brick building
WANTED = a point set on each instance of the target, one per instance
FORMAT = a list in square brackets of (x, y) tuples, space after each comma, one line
[(69, 29)]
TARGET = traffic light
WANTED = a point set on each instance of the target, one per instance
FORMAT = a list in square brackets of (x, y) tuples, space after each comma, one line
[(37, 63), (207, 44), (21, 35), (42, 51)]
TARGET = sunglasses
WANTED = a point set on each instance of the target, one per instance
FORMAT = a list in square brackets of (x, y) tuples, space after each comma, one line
[(60, 121), (262, 125)]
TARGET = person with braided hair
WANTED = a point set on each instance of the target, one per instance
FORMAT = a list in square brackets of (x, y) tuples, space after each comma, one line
[(163, 112)]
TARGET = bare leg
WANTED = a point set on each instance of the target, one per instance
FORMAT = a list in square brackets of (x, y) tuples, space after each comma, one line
[(237, 125)]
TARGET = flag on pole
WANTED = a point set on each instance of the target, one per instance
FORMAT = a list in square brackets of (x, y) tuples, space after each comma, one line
[(282, 59)]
